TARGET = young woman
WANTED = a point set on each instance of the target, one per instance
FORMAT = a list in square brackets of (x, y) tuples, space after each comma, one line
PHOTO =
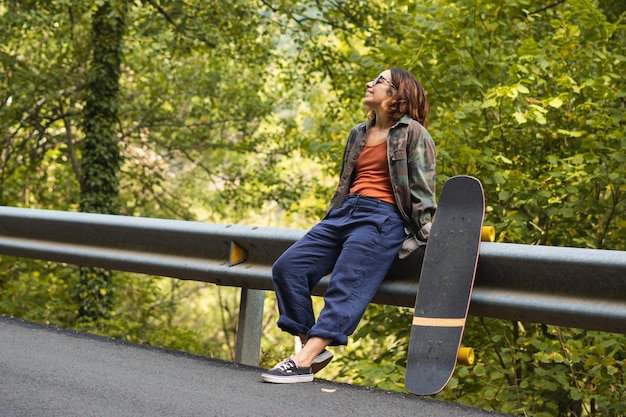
[(383, 207)]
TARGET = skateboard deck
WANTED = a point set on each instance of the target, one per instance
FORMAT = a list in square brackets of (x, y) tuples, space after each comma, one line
[(445, 286)]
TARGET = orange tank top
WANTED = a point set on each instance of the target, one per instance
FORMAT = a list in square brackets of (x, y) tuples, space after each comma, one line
[(372, 174)]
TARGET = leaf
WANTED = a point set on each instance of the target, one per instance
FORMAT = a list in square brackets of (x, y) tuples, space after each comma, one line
[(540, 118), (499, 178), (520, 117), (571, 133), (489, 103), (555, 102), (479, 370)]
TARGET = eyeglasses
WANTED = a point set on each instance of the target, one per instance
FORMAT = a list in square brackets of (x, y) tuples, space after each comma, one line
[(382, 77)]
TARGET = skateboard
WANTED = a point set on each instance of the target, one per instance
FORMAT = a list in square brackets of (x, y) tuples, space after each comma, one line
[(445, 286)]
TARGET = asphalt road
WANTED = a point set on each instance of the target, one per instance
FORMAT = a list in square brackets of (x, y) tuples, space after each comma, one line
[(51, 372)]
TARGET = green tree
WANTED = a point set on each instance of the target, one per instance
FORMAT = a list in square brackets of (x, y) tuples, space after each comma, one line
[(100, 160)]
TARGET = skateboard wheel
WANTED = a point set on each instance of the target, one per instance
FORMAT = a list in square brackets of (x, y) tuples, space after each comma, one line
[(466, 356), (488, 234)]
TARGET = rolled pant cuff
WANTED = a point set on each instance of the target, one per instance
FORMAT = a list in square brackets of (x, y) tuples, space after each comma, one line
[(337, 338), (296, 329), (292, 327)]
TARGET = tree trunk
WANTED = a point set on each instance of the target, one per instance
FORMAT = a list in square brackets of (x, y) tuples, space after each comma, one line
[(101, 152)]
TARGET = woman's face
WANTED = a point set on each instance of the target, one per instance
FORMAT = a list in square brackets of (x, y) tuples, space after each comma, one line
[(378, 90)]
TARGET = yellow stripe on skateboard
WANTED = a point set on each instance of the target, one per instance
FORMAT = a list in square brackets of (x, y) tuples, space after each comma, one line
[(438, 322)]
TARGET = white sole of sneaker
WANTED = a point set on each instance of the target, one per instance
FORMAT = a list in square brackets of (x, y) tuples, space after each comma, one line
[(276, 379)]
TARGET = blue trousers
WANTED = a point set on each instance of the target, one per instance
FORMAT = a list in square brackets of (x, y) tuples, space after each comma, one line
[(357, 244)]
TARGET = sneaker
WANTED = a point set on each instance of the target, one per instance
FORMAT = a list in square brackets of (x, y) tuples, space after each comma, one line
[(321, 361), (287, 372)]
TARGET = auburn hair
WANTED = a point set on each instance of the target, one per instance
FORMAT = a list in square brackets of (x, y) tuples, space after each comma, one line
[(408, 98)]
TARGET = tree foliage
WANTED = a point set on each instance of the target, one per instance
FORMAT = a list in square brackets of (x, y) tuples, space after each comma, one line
[(238, 112)]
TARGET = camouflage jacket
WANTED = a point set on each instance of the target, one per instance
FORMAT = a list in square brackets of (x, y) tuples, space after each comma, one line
[(412, 159)]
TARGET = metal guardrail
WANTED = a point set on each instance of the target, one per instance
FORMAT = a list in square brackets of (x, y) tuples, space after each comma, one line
[(584, 288)]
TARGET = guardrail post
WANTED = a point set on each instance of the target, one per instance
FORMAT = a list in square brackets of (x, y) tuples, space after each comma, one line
[(250, 326)]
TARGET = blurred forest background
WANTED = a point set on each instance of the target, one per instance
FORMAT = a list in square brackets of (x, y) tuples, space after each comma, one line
[(237, 112)]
